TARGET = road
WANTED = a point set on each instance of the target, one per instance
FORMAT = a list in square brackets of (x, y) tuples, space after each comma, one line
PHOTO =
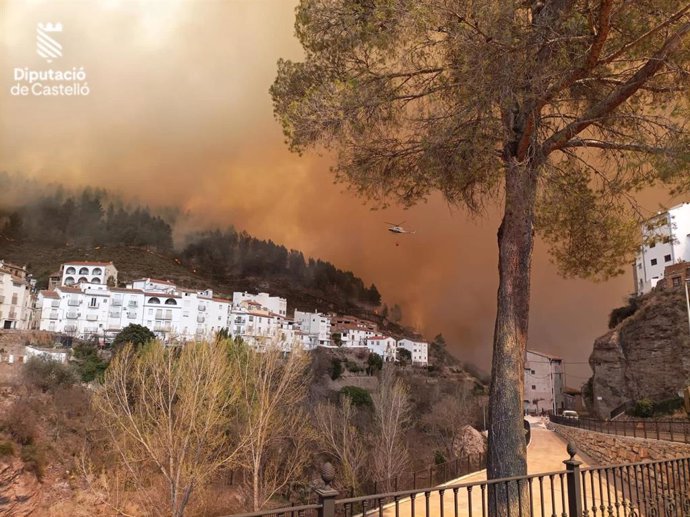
[(546, 453)]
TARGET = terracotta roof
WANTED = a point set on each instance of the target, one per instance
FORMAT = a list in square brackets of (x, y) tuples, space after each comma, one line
[(50, 294), (87, 263), (154, 280), (378, 338), (543, 354), (66, 289), (124, 290), (162, 295)]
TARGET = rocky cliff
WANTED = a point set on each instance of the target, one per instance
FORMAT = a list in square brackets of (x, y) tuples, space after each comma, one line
[(645, 355)]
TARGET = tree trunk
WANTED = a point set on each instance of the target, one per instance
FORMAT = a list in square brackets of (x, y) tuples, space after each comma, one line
[(507, 449)]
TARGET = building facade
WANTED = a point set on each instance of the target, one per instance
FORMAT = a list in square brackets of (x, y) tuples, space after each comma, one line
[(97, 273), (418, 349), (316, 326), (543, 383), (274, 304), (16, 297), (666, 241)]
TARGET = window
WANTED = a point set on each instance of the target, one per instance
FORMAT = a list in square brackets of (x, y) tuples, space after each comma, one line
[(70, 271), (532, 372), (653, 262), (93, 302), (652, 244), (667, 258), (676, 281), (170, 301), (84, 271), (154, 300), (534, 387), (639, 266)]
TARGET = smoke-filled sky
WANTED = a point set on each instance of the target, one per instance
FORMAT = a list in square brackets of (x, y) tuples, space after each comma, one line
[(178, 113)]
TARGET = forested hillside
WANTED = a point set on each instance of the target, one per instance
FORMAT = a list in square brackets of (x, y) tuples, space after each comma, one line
[(44, 229)]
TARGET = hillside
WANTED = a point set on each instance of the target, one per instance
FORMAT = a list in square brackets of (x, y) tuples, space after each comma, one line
[(646, 355), (136, 262)]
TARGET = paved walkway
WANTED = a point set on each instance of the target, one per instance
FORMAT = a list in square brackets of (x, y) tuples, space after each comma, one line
[(546, 453)]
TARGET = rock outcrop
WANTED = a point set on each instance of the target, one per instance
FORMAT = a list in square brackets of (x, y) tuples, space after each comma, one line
[(645, 355)]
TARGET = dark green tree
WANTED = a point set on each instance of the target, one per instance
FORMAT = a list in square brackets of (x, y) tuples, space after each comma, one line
[(137, 335), (557, 110)]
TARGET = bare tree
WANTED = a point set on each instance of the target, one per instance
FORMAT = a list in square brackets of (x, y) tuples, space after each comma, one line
[(392, 411), (166, 413), (274, 387), (447, 419), (342, 439), (559, 110)]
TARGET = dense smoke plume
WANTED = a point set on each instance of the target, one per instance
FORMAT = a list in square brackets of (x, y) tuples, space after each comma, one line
[(179, 115)]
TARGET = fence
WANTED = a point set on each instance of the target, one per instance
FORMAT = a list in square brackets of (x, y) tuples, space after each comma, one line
[(646, 489), (670, 430)]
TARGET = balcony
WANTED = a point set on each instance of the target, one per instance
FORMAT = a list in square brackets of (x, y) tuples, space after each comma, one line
[(92, 317), (54, 303), (200, 318), (132, 315), (162, 326), (72, 315), (70, 328), (116, 302), (74, 302), (114, 314), (53, 315), (202, 308), (132, 305), (12, 315)]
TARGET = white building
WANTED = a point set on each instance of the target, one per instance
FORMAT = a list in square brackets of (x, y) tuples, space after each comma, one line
[(384, 346), (316, 326), (16, 297), (54, 355), (274, 304), (103, 273), (543, 383), (96, 310), (666, 241), (418, 349)]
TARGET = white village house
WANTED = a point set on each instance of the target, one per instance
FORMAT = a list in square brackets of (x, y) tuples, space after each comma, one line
[(543, 383), (16, 299), (418, 349), (667, 242), (84, 303)]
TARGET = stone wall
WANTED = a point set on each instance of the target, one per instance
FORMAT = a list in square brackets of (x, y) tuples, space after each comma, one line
[(610, 449)]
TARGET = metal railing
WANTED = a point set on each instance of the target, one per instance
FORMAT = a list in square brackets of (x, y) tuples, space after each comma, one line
[(647, 489), (669, 430)]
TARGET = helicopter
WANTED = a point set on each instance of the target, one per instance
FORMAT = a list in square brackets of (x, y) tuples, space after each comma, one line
[(398, 228)]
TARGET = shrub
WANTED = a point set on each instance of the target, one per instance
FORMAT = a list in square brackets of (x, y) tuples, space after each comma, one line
[(137, 335), (6, 449), (404, 355), (21, 422), (643, 408), (336, 368), (375, 363), (359, 396), (668, 407), (619, 314), (439, 458), (353, 367), (88, 363), (47, 375), (34, 460)]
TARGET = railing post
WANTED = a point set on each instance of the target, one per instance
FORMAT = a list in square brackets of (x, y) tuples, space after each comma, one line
[(327, 494), (574, 483)]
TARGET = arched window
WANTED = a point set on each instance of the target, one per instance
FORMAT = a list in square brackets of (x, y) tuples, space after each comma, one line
[(69, 280), (95, 280), (70, 271), (84, 271), (97, 271), (170, 301), (154, 300), (83, 279)]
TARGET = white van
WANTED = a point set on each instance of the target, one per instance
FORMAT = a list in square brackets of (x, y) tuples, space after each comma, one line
[(570, 414)]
